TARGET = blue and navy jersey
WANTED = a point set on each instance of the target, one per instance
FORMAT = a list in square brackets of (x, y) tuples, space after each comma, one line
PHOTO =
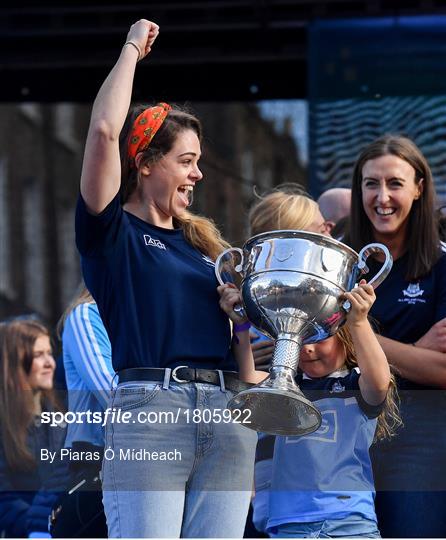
[(156, 293), (405, 310), (326, 474)]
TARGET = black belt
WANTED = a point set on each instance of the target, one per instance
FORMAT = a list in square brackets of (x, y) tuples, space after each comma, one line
[(265, 448), (184, 374)]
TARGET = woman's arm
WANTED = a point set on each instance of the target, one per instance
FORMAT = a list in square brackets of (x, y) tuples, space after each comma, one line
[(375, 372), (420, 365), (241, 343), (85, 342), (101, 169)]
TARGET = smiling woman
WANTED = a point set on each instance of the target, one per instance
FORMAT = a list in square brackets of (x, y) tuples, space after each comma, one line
[(393, 201), (28, 485), (148, 262), (390, 186)]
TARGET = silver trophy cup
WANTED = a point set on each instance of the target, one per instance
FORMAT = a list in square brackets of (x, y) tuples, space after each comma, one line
[(291, 283)]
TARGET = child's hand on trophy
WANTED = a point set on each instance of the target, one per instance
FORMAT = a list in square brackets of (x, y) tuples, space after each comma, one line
[(361, 299), (230, 297)]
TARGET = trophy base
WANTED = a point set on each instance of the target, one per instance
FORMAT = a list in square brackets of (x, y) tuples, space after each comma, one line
[(277, 406)]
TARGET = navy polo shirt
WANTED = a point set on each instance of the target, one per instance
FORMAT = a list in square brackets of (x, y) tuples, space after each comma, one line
[(405, 310), (156, 294)]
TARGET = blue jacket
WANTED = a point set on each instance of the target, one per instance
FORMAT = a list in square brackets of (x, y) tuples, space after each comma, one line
[(27, 497)]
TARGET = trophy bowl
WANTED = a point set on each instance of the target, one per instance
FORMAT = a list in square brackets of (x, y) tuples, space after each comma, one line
[(291, 284)]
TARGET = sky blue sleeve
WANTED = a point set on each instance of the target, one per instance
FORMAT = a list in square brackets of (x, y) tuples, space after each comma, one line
[(86, 342)]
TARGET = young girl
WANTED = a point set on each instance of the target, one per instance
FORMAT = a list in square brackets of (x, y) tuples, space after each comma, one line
[(322, 484), (28, 483), (286, 207)]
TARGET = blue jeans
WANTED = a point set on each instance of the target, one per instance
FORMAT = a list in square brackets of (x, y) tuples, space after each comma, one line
[(197, 481), (349, 527)]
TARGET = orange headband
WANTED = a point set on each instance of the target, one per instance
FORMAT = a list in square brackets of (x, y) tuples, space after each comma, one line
[(145, 127)]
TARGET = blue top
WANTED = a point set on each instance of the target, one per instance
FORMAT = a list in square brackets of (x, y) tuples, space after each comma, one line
[(404, 310), (156, 293), (28, 496), (88, 370), (327, 474)]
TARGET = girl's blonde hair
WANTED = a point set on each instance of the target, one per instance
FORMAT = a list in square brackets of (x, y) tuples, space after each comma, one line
[(389, 419), (82, 296), (284, 208)]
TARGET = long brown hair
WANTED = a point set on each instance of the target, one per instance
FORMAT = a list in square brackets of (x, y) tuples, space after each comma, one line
[(389, 419), (17, 339), (199, 231), (422, 238)]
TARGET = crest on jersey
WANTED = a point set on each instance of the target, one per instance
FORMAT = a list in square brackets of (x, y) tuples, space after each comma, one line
[(337, 388), (413, 290)]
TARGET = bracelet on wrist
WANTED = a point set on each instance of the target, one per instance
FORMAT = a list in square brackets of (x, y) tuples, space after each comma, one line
[(238, 328), (136, 47), (242, 327)]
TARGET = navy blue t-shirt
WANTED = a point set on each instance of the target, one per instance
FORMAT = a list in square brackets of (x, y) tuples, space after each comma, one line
[(405, 310), (157, 294)]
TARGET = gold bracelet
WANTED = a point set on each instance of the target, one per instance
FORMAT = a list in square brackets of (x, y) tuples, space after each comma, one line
[(136, 47)]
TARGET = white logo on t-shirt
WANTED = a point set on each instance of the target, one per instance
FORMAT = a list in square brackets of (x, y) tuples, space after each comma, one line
[(413, 290), (412, 294), (328, 431), (149, 241)]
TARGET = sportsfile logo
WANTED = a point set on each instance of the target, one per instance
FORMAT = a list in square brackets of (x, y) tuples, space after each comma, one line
[(149, 241)]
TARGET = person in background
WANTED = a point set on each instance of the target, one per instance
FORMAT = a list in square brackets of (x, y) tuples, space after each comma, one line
[(334, 204), (150, 266), (89, 375), (29, 483), (393, 202)]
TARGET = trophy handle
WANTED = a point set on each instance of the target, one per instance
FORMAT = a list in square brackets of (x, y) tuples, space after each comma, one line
[(377, 279), (224, 265), (226, 270), (364, 254)]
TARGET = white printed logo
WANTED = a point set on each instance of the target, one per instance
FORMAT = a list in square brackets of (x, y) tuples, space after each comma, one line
[(149, 241), (412, 295), (413, 290), (328, 432)]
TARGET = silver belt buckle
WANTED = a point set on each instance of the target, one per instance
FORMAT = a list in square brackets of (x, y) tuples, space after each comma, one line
[(176, 378)]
